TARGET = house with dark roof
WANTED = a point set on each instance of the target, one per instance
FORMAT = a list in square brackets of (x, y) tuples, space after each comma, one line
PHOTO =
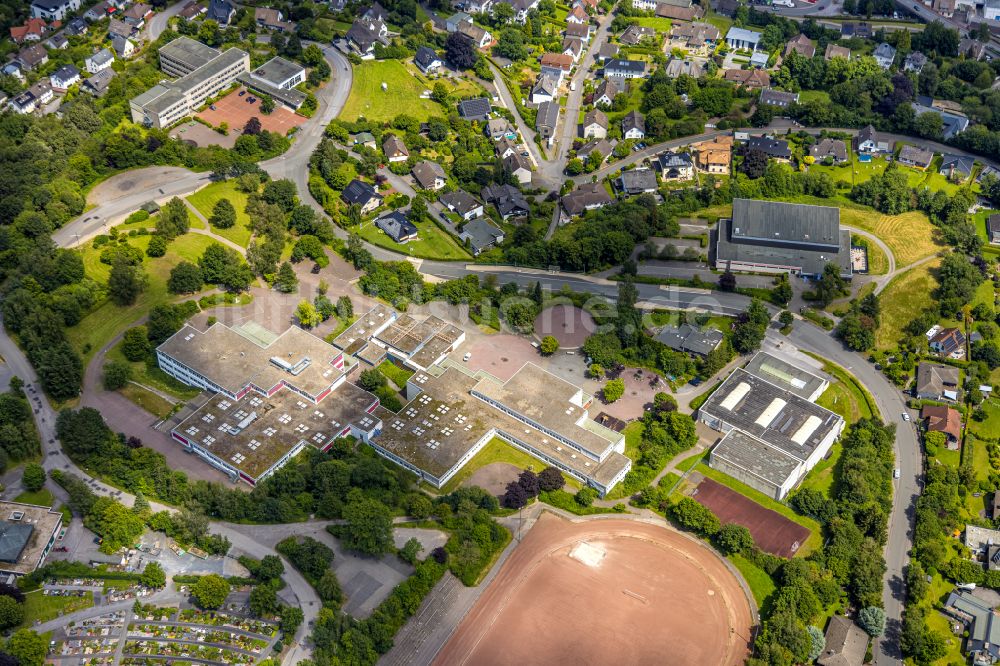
[(221, 11), (546, 119), (635, 34), (936, 382), (993, 228), (429, 175), (846, 643), (884, 55), (697, 37), (832, 149), (595, 124), (64, 77), (869, 141), (507, 199), (691, 339), (634, 125), (941, 418), (479, 36), (748, 78), (953, 121), (518, 166), (675, 13), (272, 19), (726, 7), (980, 621), (604, 94), (607, 51), (363, 194), (98, 83), (956, 167), (588, 196), (31, 57), (427, 60), (480, 235), (802, 45), (914, 62), (76, 26), (57, 41), (638, 181), (580, 31), (53, 10), (394, 149), (365, 33), (136, 14), (396, 226), (918, 158), (462, 204), (948, 342), (674, 166), (600, 146), (778, 98), (192, 9), (572, 48), (776, 149), (118, 28), (544, 89), (625, 69), (475, 109)]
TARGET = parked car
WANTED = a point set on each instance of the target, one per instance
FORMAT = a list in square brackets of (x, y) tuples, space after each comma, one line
[(467, 356), (243, 92), (895, 473), (906, 416), (212, 107)]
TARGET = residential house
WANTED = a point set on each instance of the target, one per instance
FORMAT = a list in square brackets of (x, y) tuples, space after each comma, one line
[(462, 204), (726, 7), (691, 339), (578, 31), (364, 34), (123, 47), (98, 83), (578, 15), (850, 29), (674, 13), (221, 11), (832, 149), (748, 78), (64, 77), (869, 141), (802, 45), (602, 147), (644, 5), (394, 149), (775, 149), (693, 68), (834, 51), (846, 643), (572, 48), (509, 201), (742, 39), (546, 119), (429, 175), (987, 171), (76, 27), (674, 166), (99, 11), (499, 128), (714, 156), (118, 28), (993, 227), (480, 235), (554, 73), (478, 6), (427, 60), (884, 55), (544, 90), (634, 34), (936, 382), (914, 62), (13, 68), (455, 20), (519, 167), (634, 125), (192, 10), (272, 19), (625, 69), (941, 418), (479, 36), (948, 342), (604, 94), (759, 60), (135, 15), (945, 8), (638, 181), (505, 147), (557, 60), (366, 139), (32, 57), (31, 31), (607, 51), (972, 49), (696, 37), (980, 621), (595, 124), (361, 193), (396, 226), (53, 10), (957, 167), (918, 158), (24, 103), (778, 98), (42, 90), (521, 8), (953, 121), (57, 42), (475, 109), (589, 196)]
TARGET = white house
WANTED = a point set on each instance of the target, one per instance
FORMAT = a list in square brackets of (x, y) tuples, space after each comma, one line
[(97, 62), (634, 125), (740, 38), (53, 10), (64, 77), (884, 55)]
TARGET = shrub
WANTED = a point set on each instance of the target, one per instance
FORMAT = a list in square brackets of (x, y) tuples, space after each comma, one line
[(586, 496)]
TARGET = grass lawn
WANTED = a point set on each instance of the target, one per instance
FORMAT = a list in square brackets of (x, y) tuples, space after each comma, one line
[(979, 220), (761, 584), (860, 403), (432, 242), (633, 436), (497, 450), (878, 262), (905, 297), (815, 537), (657, 23), (402, 94), (689, 462), (148, 400), (820, 477), (42, 498), (107, 320), (205, 199), (42, 608), (810, 95), (990, 427), (153, 377), (397, 375)]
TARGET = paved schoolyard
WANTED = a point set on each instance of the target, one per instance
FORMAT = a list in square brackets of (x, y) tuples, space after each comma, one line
[(203, 136), (493, 478), (237, 110), (570, 325)]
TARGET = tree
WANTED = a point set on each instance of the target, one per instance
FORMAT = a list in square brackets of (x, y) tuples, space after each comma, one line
[(291, 618), (549, 345), (732, 539), (135, 343), (551, 479), (817, 642), (117, 375), (755, 163), (585, 496), (252, 127), (157, 246), (263, 600), (529, 481), (786, 318), (269, 568), (750, 327), (185, 278), (153, 576), (266, 104), (460, 52), (371, 380), (210, 592), (307, 315), (872, 620), (727, 281), (173, 220), (345, 309), (691, 515), (515, 496), (410, 551), (125, 283), (596, 370), (369, 526), (223, 213), (287, 282), (613, 390), (27, 647), (11, 612), (281, 193), (830, 285), (328, 588)]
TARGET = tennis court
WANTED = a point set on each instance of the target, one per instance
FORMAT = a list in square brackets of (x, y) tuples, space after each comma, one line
[(236, 111)]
